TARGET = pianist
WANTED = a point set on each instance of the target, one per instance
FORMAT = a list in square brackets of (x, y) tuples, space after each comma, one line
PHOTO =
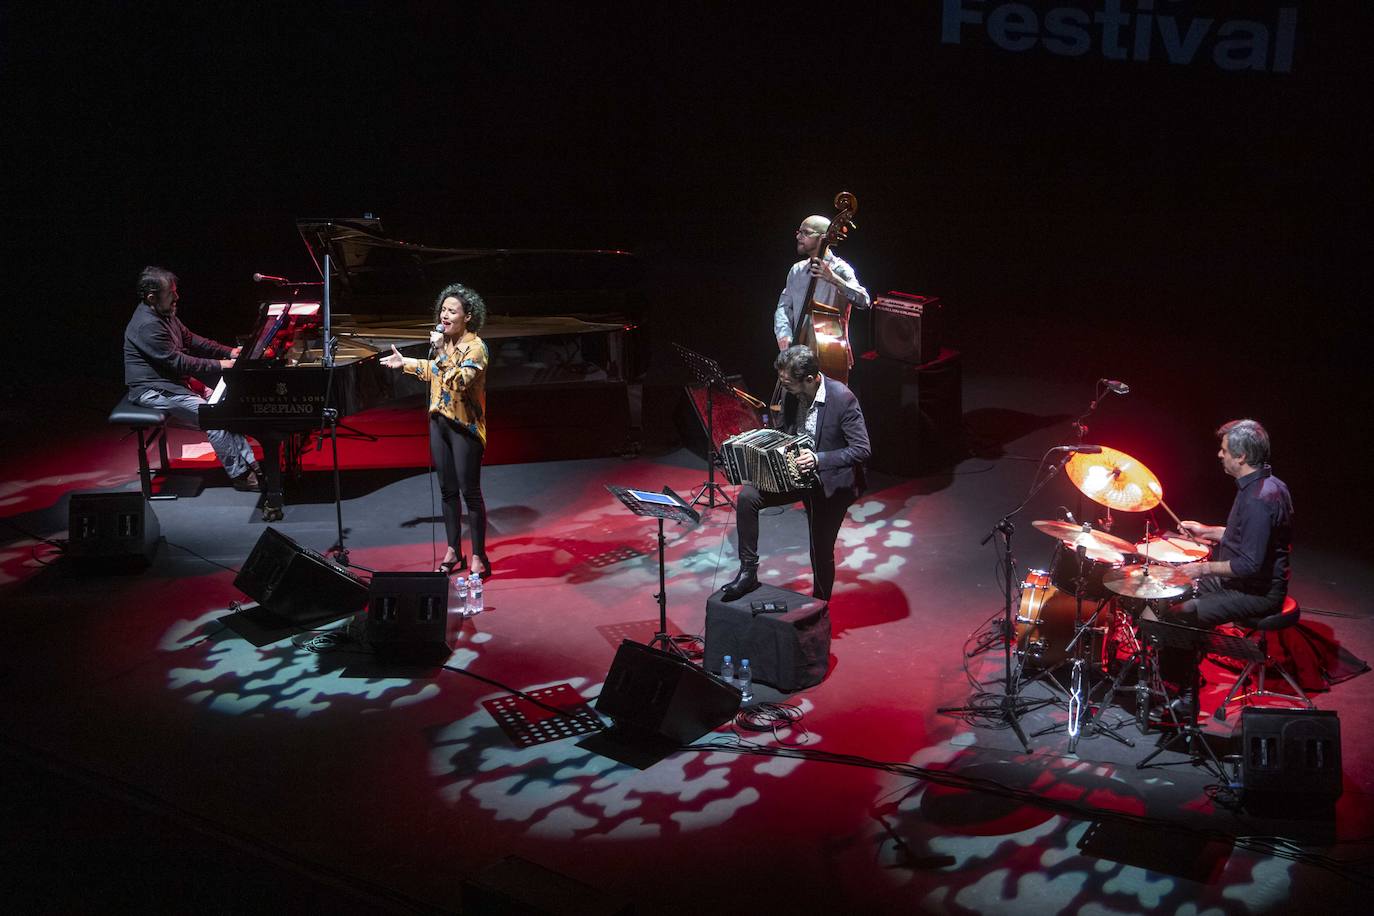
[(161, 359), (456, 371)]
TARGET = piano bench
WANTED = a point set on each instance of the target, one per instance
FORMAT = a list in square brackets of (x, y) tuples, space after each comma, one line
[(150, 426)]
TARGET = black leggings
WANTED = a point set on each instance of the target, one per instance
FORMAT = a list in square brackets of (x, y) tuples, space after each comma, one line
[(457, 457)]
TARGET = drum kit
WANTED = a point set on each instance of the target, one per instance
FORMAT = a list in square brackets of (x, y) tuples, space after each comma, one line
[(1083, 610)]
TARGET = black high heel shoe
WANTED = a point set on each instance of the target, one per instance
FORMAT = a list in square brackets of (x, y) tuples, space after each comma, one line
[(447, 568), (485, 572)]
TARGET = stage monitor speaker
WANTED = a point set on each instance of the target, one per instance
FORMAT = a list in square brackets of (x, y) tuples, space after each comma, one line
[(407, 614), (296, 583), (1293, 753), (649, 691), (906, 327), (111, 530)]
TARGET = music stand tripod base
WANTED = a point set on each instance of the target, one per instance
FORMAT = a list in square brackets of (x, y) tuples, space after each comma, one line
[(665, 505), (708, 374)]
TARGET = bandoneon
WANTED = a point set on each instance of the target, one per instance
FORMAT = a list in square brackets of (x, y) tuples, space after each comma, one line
[(767, 458)]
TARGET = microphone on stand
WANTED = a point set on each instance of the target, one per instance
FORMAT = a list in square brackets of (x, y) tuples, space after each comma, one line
[(1115, 386), (1080, 449), (268, 278)]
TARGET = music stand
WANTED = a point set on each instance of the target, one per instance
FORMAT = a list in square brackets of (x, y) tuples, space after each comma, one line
[(660, 506), (707, 373), (1200, 642)]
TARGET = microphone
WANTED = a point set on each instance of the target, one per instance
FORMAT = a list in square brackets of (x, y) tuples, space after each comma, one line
[(268, 278), (1080, 449), (1068, 516), (434, 346), (1115, 386)]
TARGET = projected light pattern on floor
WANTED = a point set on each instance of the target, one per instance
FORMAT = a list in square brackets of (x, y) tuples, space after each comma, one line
[(237, 678), (561, 791), (993, 852)]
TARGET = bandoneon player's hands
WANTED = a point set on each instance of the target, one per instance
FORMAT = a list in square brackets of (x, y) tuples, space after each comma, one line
[(806, 460)]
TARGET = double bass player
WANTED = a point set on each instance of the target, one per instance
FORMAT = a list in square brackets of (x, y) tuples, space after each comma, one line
[(834, 278)]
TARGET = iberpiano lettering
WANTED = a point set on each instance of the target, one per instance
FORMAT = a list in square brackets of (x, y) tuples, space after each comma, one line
[(294, 407), (1177, 31)]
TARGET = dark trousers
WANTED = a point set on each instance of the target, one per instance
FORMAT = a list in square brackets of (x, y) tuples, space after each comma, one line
[(457, 457), (824, 515), (1213, 604)]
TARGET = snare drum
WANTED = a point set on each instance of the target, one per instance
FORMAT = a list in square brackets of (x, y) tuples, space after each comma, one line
[(1045, 624), (1172, 549)]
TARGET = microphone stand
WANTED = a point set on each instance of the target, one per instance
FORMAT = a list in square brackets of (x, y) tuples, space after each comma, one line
[(330, 414), (1011, 706)]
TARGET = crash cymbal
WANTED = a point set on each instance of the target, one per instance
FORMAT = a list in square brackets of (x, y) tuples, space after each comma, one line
[(1115, 480), (1100, 545), (1146, 581)]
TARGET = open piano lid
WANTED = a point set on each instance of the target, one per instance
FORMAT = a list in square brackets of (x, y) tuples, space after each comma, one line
[(568, 290)]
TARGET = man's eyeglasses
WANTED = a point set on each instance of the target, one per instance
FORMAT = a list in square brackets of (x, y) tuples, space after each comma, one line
[(808, 232)]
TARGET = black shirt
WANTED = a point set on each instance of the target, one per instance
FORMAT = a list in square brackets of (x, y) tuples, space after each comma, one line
[(1259, 534), (160, 353)]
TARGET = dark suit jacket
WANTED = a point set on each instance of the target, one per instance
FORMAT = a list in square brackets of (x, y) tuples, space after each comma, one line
[(841, 438)]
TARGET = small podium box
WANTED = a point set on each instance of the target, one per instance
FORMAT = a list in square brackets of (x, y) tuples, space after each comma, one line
[(788, 650)]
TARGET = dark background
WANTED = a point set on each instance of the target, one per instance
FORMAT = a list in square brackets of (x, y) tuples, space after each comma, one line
[(1199, 233)]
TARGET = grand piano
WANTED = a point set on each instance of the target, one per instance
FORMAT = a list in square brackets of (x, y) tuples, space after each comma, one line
[(561, 329)]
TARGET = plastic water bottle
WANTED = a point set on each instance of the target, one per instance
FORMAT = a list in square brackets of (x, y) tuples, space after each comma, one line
[(460, 585), (746, 681), (475, 595), (727, 670)]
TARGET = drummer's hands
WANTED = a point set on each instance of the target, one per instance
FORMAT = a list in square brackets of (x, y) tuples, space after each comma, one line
[(1194, 570), (394, 359), (1196, 529), (806, 460)]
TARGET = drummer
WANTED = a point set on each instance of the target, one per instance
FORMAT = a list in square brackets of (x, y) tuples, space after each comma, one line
[(1247, 577)]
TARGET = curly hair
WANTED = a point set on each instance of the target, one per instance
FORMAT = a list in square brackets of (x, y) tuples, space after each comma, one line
[(798, 362), (473, 306)]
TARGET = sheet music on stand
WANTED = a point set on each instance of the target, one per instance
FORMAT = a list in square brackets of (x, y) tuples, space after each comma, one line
[(1208, 642), (667, 505)]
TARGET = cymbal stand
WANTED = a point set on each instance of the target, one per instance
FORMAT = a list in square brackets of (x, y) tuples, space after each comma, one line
[(1011, 706), (1080, 702), (1080, 429)]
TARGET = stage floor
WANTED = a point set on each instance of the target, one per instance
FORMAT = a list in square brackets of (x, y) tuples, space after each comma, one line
[(140, 724)]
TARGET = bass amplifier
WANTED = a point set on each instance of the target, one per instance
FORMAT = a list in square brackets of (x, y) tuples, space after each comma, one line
[(906, 327)]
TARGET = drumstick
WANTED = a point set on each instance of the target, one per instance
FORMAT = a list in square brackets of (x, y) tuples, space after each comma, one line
[(1179, 522)]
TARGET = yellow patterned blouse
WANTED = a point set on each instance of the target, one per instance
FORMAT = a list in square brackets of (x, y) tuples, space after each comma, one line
[(457, 383)]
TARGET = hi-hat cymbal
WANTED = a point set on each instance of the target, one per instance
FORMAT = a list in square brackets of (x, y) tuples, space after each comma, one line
[(1115, 480), (1100, 545), (1146, 580)]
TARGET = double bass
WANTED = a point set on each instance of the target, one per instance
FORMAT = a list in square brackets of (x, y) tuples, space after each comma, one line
[(825, 328)]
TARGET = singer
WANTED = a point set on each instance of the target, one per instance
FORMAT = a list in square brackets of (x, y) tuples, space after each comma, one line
[(457, 375)]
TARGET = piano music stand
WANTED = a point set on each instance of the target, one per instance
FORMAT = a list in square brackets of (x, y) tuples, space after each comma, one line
[(707, 373), (660, 506)]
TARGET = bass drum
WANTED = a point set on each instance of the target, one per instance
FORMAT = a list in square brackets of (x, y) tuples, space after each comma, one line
[(1045, 624)]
